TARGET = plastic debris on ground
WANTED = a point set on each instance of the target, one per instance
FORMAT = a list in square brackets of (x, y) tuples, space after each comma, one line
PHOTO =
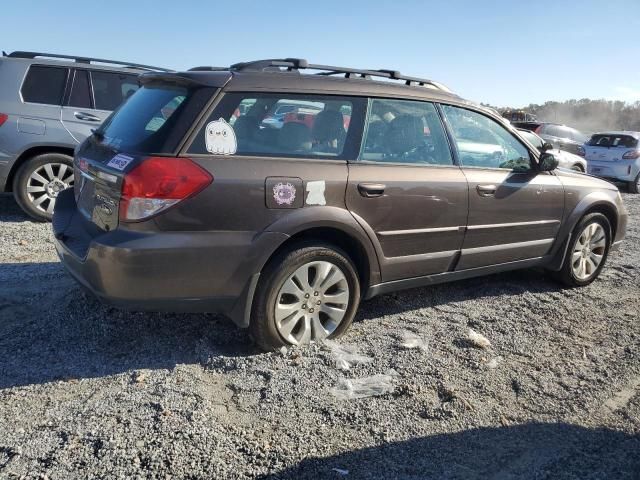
[(373, 386), (341, 471), (478, 340), (494, 362), (346, 356), (412, 340)]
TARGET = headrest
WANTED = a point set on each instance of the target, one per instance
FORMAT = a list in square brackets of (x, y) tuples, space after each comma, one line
[(405, 133), (294, 137)]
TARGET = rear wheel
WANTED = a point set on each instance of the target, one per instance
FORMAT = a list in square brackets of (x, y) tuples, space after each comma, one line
[(634, 185), (578, 168), (588, 251), (308, 293), (38, 182)]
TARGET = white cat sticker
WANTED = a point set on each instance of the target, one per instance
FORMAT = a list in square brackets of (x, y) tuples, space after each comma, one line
[(220, 138)]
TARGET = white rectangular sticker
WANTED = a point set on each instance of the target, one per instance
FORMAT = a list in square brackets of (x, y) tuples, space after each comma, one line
[(119, 162)]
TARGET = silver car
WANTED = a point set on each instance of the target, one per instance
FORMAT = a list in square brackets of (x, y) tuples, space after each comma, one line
[(48, 105), (565, 159), (615, 156)]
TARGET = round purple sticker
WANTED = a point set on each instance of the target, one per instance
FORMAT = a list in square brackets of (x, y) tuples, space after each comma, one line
[(284, 193)]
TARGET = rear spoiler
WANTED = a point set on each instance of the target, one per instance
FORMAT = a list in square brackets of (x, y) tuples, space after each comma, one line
[(216, 79)]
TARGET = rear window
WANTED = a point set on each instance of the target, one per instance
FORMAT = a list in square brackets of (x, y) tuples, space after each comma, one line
[(44, 85), (155, 118), (625, 141)]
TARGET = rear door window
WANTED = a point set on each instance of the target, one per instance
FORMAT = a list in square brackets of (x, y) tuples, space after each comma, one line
[(110, 89), (283, 125), (44, 85), (401, 131), (155, 119), (80, 90)]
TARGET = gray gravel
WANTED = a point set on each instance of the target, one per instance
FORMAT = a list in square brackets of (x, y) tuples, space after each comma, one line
[(87, 391)]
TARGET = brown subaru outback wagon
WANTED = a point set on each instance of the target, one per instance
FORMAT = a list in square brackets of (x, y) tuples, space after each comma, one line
[(283, 193)]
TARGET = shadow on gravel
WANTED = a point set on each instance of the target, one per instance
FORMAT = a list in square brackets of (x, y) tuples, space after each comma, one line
[(507, 284), (10, 211), (529, 451), (51, 330)]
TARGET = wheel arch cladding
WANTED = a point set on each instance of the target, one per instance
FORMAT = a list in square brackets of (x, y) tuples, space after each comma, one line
[(30, 153), (593, 203), (335, 237)]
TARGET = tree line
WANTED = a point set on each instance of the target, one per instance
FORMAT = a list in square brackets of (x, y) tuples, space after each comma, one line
[(589, 115)]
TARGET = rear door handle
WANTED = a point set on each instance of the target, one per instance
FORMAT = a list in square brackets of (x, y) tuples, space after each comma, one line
[(86, 117), (370, 190), (486, 190)]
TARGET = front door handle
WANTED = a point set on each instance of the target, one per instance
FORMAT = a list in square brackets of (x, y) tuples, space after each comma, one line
[(86, 117), (486, 190), (370, 190)]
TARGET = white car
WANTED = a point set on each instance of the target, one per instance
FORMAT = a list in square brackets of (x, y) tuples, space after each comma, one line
[(615, 156), (565, 159)]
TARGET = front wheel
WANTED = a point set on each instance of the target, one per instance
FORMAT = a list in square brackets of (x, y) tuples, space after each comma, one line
[(38, 182), (588, 251), (307, 293)]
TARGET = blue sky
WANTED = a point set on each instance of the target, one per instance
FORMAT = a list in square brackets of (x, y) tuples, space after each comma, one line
[(501, 52)]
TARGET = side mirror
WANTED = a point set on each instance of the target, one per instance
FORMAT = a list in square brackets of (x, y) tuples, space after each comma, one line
[(548, 162), (546, 146)]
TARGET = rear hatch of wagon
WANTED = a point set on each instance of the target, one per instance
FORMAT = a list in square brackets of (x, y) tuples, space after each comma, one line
[(129, 167), (610, 147)]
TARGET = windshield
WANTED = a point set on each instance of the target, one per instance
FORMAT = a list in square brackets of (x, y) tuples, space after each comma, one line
[(532, 138)]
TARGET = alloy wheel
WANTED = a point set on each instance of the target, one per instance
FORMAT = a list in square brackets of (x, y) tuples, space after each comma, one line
[(311, 302), (46, 182), (588, 251)]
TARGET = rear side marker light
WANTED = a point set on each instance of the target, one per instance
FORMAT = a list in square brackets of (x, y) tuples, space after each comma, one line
[(3, 118), (159, 183)]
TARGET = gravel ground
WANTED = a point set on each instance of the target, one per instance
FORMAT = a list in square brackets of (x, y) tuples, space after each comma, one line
[(87, 391)]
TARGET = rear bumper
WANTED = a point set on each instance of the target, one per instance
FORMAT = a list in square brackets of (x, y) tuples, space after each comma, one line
[(162, 271), (623, 171)]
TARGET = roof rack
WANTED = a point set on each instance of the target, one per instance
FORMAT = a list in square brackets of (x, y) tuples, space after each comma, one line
[(297, 64), (20, 54)]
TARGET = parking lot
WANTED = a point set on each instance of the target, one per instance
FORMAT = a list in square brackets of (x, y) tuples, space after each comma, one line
[(87, 391)]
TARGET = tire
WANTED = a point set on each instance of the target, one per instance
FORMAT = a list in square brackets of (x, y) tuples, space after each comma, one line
[(569, 274), (577, 168), (270, 318), (38, 182), (634, 185)]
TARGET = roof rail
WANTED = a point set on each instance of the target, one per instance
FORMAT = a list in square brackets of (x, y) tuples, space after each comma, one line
[(297, 64), (20, 54)]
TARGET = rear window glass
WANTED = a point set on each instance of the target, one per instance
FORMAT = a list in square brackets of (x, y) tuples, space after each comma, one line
[(154, 119), (44, 85), (284, 125), (625, 141)]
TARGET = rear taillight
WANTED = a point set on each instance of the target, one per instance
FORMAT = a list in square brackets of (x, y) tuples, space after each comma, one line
[(581, 151), (159, 183), (631, 155), (3, 118)]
